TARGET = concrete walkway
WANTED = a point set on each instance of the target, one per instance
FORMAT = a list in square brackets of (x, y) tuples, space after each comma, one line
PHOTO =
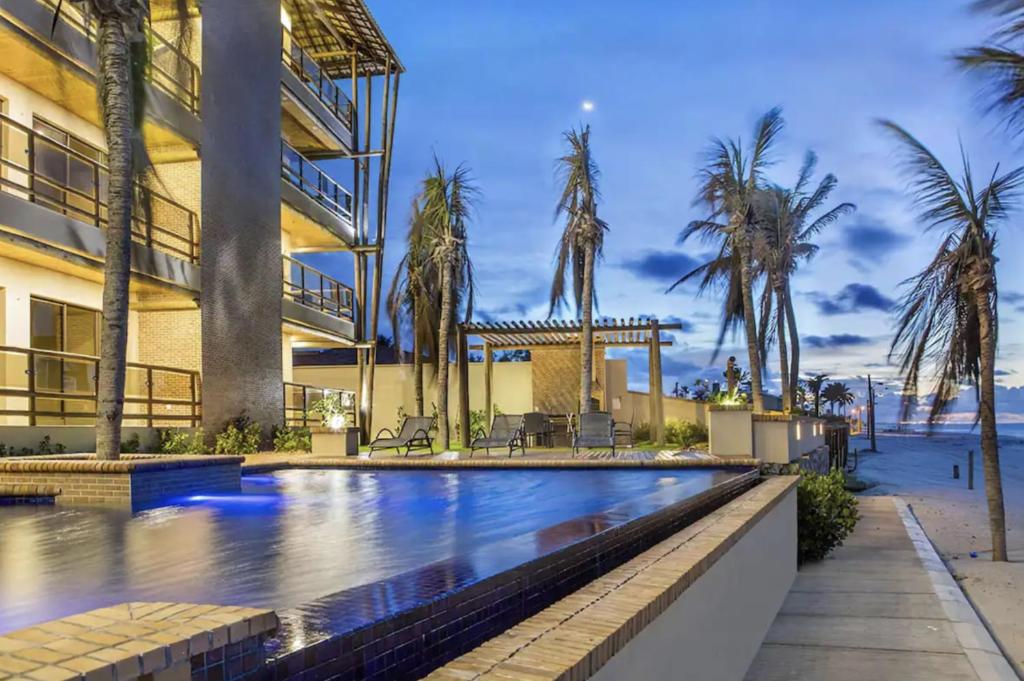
[(882, 607)]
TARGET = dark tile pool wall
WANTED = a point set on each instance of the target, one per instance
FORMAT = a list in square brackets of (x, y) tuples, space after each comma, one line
[(234, 662), (413, 643)]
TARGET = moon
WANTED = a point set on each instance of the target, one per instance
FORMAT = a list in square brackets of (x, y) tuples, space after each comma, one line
[(587, 105)]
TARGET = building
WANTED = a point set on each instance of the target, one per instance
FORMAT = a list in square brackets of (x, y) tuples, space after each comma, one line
[(244, 101)]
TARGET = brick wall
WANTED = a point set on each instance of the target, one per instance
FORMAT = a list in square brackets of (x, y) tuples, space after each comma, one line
[(171, 338), (181, 183)]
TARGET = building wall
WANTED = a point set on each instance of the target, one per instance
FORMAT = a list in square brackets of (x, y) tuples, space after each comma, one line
[(395, 388), (22, 103), (241, 212)]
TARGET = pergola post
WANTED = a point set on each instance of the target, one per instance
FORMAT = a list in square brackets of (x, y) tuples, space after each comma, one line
[(488, 378), (462, 358), (657, 398)]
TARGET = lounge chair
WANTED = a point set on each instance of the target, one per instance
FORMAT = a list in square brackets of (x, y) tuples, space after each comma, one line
[(624, 432), (506, 431), (538, 426), (414, 434), (596, 429)]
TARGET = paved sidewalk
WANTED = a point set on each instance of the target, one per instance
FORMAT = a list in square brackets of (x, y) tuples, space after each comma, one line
[(882, 607)]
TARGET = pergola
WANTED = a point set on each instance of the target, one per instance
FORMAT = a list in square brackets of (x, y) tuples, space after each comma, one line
[(531, 335)]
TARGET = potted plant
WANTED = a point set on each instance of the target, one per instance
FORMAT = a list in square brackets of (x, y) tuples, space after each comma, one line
[(338, 433)]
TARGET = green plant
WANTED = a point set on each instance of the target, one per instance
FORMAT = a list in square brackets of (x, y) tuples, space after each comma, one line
[(242, 436), (292, 440), (642, 432), (174, 441), (132, 445), (47, 447), (826, 514), (685, 433), (477, 424), (335, 409)]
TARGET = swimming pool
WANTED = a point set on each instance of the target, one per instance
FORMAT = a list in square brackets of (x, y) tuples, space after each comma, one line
[(292, 537)]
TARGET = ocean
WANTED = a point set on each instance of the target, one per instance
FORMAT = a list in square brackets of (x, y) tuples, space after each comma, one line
[(1015, 429)]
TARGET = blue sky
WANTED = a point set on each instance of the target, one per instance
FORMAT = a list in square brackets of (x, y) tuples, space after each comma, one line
[(493, 84)]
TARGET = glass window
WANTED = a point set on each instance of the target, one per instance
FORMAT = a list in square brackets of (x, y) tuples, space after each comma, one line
[(64, 328), (47, 322)]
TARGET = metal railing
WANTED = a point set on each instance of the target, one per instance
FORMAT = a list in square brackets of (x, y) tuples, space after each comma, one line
[(320, 84), (52, 174), (300, 399), (312, 288), (45, 387), (315, 183), (169, 70)]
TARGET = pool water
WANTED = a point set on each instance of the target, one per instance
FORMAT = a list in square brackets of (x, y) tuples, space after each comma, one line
[(294, 536)]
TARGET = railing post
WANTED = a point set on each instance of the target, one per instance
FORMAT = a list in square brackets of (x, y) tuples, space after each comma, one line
[(96, 193), (31, 388), (192, 405), (149, 397), (31, 166)]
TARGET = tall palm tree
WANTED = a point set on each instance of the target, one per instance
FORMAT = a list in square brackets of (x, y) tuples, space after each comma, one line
[(729, 183), (815, 384), (445, 203), (581, 244), (1000, 62), (122, 61), (948, 315), (838, 393), (414, 300), (785, 239)]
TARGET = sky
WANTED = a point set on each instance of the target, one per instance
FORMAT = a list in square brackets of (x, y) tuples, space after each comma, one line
[(494, 84)]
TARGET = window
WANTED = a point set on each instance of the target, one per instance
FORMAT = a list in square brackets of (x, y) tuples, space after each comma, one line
[(59, 327), (64, 328), (67, 169)]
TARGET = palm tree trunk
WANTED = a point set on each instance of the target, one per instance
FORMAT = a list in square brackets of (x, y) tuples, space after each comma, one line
[(989, 438), (780, 331), (442, 355), (116, 99), (417, 365), (750, 323), (794, 345), (586, 331)]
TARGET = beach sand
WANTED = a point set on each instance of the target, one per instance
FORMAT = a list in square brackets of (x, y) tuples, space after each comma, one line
[(919, 469)]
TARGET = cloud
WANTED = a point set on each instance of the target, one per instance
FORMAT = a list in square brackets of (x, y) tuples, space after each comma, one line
[(852, 298), (836, 340), (687, 326), (660, 266), (873, 240)]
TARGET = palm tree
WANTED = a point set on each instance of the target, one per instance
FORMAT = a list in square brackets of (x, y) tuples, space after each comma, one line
[(815, 384), (948, 315), (123, 58), (581, 244), (1000, 62), (785, 239), (445, 204), (838, 393), (729, 183), (414, 299)]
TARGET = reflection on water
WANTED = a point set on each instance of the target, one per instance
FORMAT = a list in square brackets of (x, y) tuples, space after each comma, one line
[(295, 536)]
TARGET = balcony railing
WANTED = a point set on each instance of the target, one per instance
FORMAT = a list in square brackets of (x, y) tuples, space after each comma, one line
[(41, 170), (43, 387), (320, 84), (315, 183), (312, 288), (169, 70), (300, 400)]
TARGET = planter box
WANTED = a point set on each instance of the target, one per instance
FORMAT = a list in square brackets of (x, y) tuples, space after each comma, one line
[(730, 431), (344, 442)]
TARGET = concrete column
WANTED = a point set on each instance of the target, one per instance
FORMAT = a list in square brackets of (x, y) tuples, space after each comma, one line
[(657, 396), (241, 212), (488, 386), (462, 356)]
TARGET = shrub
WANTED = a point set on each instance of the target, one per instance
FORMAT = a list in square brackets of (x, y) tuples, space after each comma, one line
[(826, 514), (132, 445), (46, 447), (292, 440), (477, 424), (642, 432), (242, 436), (182, 441), (684, 433)]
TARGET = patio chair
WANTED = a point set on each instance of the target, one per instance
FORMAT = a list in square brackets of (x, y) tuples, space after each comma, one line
[(624, 431), (506, 431), (596, 429), (538, 426), (414, 434)]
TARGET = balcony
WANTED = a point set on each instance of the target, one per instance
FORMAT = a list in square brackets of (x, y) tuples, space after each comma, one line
[(65, 180), (299, 401), (320, 208), (318, 309), (43, 387), (318, 116), (59, 61)]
